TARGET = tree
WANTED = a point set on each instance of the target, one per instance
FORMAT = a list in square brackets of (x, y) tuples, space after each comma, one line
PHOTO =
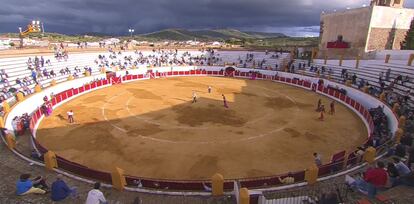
[(408, 43)]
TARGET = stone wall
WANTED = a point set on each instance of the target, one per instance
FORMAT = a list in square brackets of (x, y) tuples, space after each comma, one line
[(351, 24), (382, 38)]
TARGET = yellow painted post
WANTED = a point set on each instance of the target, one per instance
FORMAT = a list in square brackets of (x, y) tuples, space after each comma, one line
[(410, 60), (387, 58), (118, 179), (6, 107), (217, 184), (401, 122), (244, 196), (396, 107), (313, 55), (369, 155), (382, 97), (20, 97), (1, 122), (311, 174), (38, 88), (365, 89), (325, 60), (70, 78), (53, 83), (87, 73), (11, 142), (358, 58), (50, 160), (398, 135), (341, 59)]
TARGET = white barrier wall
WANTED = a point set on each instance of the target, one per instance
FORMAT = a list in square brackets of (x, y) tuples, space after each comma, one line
[(34, 101)]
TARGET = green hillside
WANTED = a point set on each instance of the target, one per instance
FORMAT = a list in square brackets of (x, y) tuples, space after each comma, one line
[(207, 35)]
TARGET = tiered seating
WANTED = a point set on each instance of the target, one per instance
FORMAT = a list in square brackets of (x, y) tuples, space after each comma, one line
[(369, 71), (18, 67)]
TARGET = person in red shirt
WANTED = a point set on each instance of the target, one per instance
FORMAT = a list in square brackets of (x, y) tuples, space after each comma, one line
[(376, 176), (373, 179)]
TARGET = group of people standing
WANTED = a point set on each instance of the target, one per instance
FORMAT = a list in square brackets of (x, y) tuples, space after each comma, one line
[(321, 109), (209, 90)]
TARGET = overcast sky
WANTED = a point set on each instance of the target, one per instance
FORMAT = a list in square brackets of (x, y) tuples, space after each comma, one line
[(292, 17)]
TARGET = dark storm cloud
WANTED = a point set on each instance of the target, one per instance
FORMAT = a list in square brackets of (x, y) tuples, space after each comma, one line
[(115, 16)]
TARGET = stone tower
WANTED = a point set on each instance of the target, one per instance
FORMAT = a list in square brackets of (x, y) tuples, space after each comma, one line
[(389, 3)]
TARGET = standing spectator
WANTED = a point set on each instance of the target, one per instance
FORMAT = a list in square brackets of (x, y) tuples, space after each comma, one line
[(95, 196), (388, 74), (318, 160), (60, 190)]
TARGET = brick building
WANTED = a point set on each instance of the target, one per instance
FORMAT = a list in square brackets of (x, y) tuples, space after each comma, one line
[(380, 26)]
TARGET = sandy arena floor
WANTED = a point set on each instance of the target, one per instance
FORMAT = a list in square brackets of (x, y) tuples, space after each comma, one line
[(151, 129)]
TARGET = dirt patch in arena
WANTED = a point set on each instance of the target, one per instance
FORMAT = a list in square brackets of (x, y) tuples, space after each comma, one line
[(293, 133), (147, 130), (197, 116), (279, 102), (151, 129), (93, 99), (143, 94)]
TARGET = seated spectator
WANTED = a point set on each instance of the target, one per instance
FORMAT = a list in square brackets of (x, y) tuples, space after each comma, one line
[(393, 174), (26, 81), (52, 73), (289, 179), (26, 186), (372, 180), (60, 190), (403, 169), (36, 155), (95, 196), (19, 82)]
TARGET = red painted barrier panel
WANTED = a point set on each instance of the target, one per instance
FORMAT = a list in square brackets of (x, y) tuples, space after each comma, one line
[(326, 90), (69, 93), (105, 82), (53, 101), (129, 77), (175, 73), (93, 85), (75, 91), (180, 73), (64, 96), (124, 78), (81, 89), (331, 92), (140, 76), (347, 100), (134, 76), (358, 107), (221, 73), (215, 72), (38, 113), (337, 94), (288, 80), (87, 87), (342, 97), (353, 103), (282, 79)]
